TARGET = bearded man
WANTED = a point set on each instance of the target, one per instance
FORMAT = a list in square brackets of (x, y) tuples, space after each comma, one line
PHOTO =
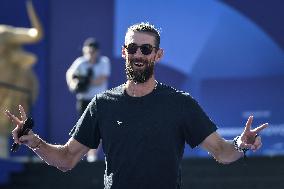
[(143, 125)]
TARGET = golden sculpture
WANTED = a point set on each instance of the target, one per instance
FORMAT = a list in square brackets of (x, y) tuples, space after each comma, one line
[(18, 83)]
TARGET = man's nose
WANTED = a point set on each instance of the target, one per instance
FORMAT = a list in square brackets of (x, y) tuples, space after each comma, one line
[(139, 53)]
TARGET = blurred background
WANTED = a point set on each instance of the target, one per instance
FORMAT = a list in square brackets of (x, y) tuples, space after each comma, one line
[(227, 54)]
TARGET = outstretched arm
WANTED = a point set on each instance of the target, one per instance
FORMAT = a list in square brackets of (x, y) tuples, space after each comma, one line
[(225, 151), (64, 157)]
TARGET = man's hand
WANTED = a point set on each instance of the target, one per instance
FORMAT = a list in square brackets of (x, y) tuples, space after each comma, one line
[(31, 140), (249, 138), (64, 157)]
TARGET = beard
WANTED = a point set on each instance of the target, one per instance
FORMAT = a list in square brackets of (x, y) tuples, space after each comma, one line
[(139, 75)]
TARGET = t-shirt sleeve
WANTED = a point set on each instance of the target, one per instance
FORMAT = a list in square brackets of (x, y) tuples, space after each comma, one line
[(86, 131), (106, 66), (197, 125), (70, 73)]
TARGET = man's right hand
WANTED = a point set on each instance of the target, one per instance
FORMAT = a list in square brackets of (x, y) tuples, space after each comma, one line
[(64, 157), (31, 140)]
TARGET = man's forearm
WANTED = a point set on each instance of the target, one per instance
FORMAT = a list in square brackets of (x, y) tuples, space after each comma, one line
[(222, 150), (229, 153), (55, 155)]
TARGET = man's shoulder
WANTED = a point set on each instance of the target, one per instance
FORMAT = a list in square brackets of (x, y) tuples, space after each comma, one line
[(104, 60), (176, 96), (111, 94), (80, 60), (169, 90)]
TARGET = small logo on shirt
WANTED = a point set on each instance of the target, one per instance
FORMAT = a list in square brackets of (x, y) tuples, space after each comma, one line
[(119, 122)]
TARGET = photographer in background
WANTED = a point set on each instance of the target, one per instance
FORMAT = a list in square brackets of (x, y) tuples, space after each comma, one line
[(87, 76)]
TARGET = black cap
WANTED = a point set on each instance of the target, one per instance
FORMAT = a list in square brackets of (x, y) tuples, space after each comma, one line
[(91, 42)]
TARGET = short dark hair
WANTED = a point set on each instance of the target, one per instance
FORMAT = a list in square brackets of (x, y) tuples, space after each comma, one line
[(148, 28), (91, 42)]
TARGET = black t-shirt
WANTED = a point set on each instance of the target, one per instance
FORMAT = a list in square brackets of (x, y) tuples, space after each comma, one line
[(143, 138)]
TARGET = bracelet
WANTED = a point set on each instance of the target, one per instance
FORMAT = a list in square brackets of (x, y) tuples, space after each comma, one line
[(38, 145), (235, 143)]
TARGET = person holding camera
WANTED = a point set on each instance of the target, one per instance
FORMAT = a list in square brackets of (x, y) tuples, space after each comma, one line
[(88, 76)]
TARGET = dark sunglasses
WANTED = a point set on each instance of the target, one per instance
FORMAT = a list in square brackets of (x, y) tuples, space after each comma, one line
[(146, 49)]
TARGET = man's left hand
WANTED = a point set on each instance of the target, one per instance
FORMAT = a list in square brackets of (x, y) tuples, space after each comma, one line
[(251, 139)]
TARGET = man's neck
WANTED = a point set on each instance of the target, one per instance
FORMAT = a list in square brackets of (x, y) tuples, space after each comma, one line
[(140, 89), (91, 60)]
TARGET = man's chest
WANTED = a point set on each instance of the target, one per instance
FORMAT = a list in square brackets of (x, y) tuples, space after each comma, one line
[(150, 123)]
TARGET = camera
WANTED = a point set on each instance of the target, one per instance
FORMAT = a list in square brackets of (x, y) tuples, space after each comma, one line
[(83, 81)]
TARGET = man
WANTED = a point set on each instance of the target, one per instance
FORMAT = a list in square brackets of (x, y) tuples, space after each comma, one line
[(88, 76), (143, 125)]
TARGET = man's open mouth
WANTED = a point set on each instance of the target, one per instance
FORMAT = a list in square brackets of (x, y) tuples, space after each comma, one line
[(139, 64)]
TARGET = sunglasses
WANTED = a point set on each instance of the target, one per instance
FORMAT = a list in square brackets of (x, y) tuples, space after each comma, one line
[(146, 49)]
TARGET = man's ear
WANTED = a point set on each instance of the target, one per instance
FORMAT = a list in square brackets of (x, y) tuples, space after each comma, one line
[(123, 53), (159, 55)]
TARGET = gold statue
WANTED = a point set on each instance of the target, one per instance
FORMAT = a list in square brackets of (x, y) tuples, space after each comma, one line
[(18, 83)]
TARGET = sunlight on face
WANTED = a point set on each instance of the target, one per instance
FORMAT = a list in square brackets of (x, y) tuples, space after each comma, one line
[(139, 67), (89, 52)]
